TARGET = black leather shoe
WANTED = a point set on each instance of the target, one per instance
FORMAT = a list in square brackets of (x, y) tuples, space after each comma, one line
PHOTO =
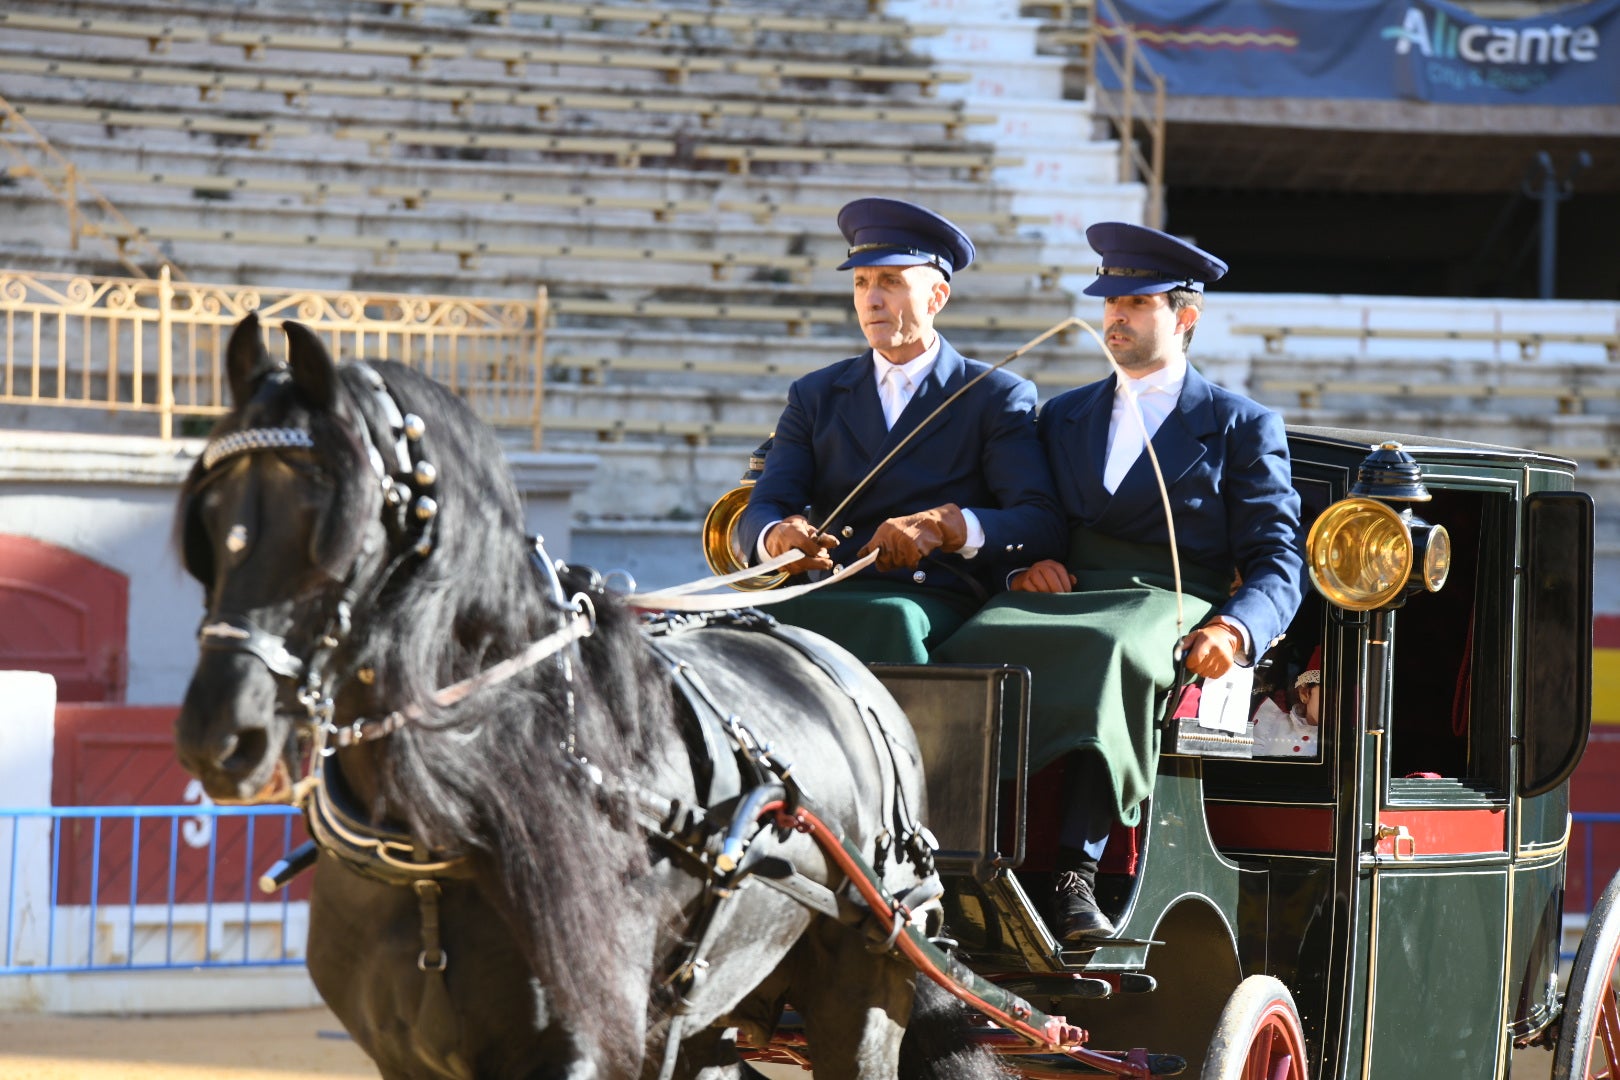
[(1078, 916)]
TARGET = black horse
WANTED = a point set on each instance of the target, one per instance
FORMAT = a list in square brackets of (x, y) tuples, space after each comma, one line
[(526, 877)]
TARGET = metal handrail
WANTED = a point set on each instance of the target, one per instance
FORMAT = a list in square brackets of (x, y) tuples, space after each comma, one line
[(1126, 111), (71, 190), (134, 345)]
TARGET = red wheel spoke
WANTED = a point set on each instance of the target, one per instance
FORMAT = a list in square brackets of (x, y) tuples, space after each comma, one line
[(1608, 1034)]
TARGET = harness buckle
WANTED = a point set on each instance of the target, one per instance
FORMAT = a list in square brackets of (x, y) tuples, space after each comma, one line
[(423, 965)]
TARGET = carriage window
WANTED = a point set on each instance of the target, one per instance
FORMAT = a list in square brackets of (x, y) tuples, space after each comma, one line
[(1449, 692), (1289, 695)]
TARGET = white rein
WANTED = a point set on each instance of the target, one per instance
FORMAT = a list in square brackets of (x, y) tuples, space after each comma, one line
[(692, 596)]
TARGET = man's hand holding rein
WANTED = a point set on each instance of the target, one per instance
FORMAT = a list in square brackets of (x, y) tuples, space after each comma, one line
[(796, 533), (901, 542)]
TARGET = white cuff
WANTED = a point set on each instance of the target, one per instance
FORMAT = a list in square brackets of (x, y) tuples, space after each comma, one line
[(760, 554), (975, 535), (1243, 632)]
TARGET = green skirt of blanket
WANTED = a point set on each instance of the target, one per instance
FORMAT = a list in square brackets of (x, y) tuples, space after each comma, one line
[(1101, 657), (879, 623)]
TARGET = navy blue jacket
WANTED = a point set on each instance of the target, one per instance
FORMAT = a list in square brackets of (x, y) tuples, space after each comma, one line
[(981, 453), (1225, 463)]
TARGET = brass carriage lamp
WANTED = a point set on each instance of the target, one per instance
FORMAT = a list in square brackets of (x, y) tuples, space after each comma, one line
[(1363, 553), (722, 546)]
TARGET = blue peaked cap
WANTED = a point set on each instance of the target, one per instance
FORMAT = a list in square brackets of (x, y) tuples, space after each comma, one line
[(1137, 260), (893, 232)]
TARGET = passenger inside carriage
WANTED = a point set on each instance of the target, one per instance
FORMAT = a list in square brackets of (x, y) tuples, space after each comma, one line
[(1287, 722), (1099, 630)]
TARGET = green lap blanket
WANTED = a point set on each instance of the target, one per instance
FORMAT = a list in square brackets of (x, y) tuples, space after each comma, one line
[(879, 623), (1101, 657)]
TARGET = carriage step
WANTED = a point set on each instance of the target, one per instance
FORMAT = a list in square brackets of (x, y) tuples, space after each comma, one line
[(1054, 987), (1136, 982)]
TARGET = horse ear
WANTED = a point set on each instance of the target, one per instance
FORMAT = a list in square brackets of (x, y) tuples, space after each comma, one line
[(246, 359), (312, 369)]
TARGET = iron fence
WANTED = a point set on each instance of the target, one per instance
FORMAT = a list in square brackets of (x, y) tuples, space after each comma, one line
[(136, 888), (139, 888)]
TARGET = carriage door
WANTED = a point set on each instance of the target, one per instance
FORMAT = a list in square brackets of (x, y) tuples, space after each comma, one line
[(1435, 817)]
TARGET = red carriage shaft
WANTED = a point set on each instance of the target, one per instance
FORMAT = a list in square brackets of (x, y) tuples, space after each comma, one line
[(1047, 1034)]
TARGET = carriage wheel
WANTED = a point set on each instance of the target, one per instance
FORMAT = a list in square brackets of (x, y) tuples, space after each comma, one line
[(1258, 1036), (1589, 1034)]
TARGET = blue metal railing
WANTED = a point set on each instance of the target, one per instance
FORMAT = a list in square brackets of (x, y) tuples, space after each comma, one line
[(1594, 878), (103, 926), (28, 903)]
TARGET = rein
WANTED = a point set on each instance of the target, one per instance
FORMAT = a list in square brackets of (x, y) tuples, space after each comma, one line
[(691, 596), (397, 463)]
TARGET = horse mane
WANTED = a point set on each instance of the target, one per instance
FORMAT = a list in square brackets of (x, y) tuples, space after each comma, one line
[(486, 777)]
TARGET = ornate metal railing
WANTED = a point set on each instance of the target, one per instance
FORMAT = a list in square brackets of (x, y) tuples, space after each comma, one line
[(157, 347), (1139, 101)]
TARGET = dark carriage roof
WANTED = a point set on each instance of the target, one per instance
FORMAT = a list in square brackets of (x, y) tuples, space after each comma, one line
[(1421, 445)]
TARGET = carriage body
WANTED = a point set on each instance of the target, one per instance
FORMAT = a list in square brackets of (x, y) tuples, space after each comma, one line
[(1405, 882)]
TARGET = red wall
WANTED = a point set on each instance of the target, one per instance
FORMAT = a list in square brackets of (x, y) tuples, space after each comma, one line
[(120, 755)]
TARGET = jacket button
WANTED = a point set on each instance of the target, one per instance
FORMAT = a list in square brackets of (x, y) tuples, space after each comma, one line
[(847, 531), (919, 577)]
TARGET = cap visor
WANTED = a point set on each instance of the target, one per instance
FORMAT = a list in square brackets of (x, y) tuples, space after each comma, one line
[(889, 258), (1124, 286)]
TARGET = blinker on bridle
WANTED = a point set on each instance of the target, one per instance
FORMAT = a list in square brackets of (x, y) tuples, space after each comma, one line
[(235, 633), (230, 632)]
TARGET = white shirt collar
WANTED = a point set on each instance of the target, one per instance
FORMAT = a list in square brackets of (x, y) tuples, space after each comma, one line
[(1168, 378), (916, 370)]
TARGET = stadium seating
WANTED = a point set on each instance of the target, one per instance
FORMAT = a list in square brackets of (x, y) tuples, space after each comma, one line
[(1529, 342), (256, 46), (158, 36), (662, 17), (670, 172), (258, 131)]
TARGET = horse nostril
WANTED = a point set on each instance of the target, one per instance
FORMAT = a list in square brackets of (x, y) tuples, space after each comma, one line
[(244, 751)]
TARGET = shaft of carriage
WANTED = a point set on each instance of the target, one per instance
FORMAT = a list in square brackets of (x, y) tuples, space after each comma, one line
[(1039, 1032)]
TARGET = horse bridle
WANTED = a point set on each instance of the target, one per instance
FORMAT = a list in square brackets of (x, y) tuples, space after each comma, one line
[(415, 519)]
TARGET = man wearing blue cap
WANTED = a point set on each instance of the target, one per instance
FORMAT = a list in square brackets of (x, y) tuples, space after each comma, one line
[(968, 498), (1109, 609)]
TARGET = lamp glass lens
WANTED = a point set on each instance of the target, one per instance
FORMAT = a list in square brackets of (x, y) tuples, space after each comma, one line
[(1360, 553), (1437, 559)]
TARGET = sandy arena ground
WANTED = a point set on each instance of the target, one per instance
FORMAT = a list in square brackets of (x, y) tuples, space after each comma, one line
[(307, 1044), (301, 1045)]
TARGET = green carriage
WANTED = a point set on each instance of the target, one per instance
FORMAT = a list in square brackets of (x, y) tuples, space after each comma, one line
[(1388, 906)]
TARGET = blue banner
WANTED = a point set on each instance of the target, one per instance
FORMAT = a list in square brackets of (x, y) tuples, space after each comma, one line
[(1408, 50)]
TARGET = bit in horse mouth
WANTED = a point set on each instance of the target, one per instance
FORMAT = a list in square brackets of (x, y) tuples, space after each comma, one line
[(277, 789)]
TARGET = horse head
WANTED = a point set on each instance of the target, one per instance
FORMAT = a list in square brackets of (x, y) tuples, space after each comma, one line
[(281, 521)]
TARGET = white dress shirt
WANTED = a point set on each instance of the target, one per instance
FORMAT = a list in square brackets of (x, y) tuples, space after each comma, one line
[(1157, 394)]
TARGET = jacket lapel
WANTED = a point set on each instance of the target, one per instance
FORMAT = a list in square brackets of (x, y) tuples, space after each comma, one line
[(860, 412), (1083, 437), (1179, 445)]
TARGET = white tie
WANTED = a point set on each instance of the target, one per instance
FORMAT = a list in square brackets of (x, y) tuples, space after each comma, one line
[(1126, 445), (894, 392)]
